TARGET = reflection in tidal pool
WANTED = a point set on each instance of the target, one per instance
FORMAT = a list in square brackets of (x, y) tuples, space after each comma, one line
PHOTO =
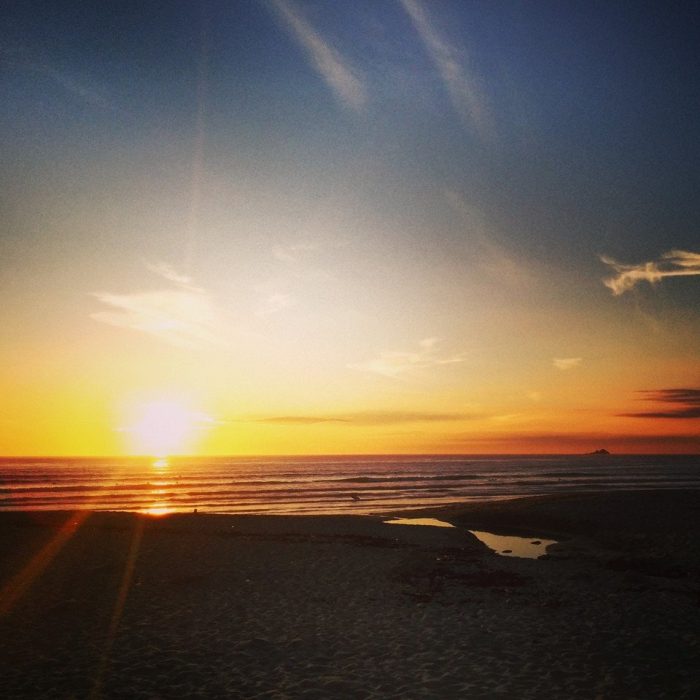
[(432, 522), (512, 546), (158, 494)]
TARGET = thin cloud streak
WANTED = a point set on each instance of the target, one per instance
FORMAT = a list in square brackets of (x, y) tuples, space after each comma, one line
[(183, 316), (675, 263), (684, 403), (294, 252), (275, 303), (330, 65), (461, 86), (491, 257), (393, 364), (565, 363), (294, 420), (169, 273), (20, 58), (369, 418)]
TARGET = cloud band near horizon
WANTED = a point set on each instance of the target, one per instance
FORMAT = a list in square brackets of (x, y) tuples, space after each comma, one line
[(683, 404), (364, 418)]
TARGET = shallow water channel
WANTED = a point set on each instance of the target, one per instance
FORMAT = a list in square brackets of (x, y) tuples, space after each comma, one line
[(504, 545)]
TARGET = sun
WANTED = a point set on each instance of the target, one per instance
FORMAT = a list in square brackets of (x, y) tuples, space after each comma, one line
[(164, 428)]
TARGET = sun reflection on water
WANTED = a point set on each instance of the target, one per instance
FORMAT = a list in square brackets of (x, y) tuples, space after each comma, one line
[(159, 507)]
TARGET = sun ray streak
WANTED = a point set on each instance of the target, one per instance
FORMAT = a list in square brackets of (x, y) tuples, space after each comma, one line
[(119, 604), (15, 588), (197, 170)]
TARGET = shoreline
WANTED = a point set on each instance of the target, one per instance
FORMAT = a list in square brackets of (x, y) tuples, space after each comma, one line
[(124, 605)]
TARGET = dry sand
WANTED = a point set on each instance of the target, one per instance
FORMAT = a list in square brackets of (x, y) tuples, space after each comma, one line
[(122, 606)]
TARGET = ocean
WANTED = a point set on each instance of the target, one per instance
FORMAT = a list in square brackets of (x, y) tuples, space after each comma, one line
[(322, 485)]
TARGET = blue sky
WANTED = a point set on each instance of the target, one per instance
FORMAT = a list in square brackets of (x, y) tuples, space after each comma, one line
[(587, 108)]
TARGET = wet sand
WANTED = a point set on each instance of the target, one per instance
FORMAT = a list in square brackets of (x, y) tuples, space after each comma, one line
[(116, 605)]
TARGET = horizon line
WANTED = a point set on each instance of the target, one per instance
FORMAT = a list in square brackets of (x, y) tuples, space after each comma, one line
[(351, 454)]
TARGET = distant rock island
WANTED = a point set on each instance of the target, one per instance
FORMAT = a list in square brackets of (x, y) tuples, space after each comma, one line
[(598, 452)]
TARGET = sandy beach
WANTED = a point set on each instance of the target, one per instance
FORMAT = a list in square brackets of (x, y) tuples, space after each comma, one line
[(117, 605)]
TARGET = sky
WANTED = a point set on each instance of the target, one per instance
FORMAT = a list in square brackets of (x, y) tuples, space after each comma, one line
[(318, 227)]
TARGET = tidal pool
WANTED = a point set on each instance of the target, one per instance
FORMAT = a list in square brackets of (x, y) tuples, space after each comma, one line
[(512, 546), (432, 522), (503, 545)]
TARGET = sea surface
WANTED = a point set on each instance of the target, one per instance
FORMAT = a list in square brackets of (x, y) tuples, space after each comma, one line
[(322, 485)]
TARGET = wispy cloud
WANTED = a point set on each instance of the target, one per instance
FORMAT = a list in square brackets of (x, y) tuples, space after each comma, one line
[(395, 363), (675, 263), (369, 418), (461, 85), (275, 303), (491, 257), (327, 61), (294, 420), (681, 403), (565, 363), (182, 315), (168, 272), (21, 59), (293, 252)]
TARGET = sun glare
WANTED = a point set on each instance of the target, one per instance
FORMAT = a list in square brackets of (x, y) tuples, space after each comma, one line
[(164, 428), (158, 510)]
